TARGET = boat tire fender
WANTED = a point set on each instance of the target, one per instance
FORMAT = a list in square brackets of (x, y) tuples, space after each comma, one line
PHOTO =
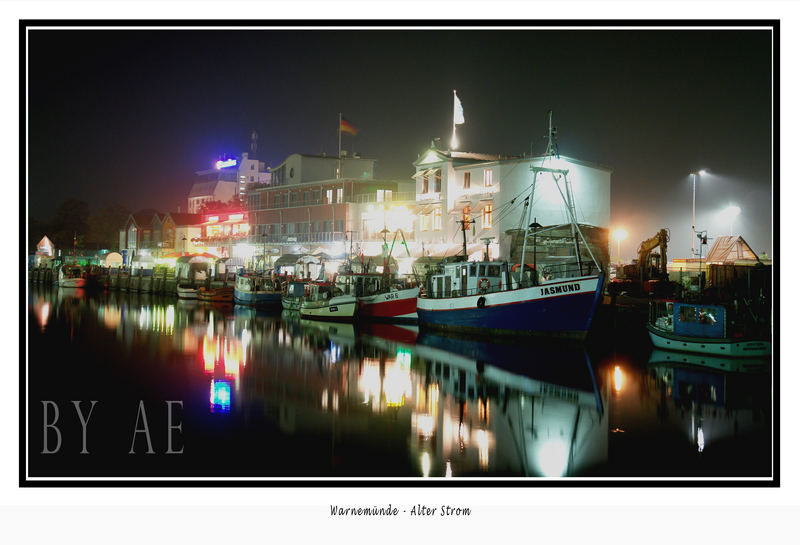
[(481, 302)]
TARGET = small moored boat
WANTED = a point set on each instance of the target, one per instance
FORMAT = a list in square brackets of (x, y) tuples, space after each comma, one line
[(325, 302)]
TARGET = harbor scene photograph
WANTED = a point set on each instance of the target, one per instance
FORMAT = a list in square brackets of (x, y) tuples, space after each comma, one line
[(433, 255)]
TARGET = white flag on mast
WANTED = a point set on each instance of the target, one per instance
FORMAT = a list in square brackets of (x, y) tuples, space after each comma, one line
[(458, 111)]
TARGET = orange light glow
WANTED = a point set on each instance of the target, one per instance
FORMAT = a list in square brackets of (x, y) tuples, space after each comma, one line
[(618, 378)]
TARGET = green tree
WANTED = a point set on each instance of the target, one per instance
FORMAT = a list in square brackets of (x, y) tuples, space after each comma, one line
[(104, 226), (70, 219)]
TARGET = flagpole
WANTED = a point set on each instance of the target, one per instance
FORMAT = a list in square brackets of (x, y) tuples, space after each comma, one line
[(339, 157)]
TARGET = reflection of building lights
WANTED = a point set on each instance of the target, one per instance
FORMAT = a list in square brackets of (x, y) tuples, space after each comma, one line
[(448, 473), (426, 464), (336, 402), (208, 357), (701, 440), (482, 440), (170, 318), (325, 399), (425, 425), (44, 315), (618, 378), (404, 357), (553, 458), (396, 385), (220, 396)]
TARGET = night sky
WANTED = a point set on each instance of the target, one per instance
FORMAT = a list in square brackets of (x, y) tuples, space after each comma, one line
[(128, 116)]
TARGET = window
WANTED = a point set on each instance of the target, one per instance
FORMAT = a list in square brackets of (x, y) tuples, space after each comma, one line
[(306, 196), (294, 198), (466, 216), (252, 178), (708, 316), (290, 228), (339, 194), (379, 197), (276, 201), (487, 178), (494, 270), (424, 184), (466, 180), (437, 219), (252, 166), (339, 226), (326, 226), (473, 271), (388, 194), (486, 223), (329, 196), (425, 222), (687, 314), (316, 196), (437, 181)]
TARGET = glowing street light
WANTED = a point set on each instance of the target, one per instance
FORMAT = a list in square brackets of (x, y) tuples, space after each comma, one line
[(701, 172), (620, 235), (729, 214)]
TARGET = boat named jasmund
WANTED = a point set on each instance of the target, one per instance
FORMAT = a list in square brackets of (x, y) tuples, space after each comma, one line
[(498, 297)]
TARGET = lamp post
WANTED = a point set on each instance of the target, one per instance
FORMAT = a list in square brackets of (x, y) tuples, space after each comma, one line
[(694, 190), (184, 243), (620, 234)]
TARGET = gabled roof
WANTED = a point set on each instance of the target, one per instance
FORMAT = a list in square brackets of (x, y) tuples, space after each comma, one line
[(182, 219), (436, 155), (143, 219), (728, 250)]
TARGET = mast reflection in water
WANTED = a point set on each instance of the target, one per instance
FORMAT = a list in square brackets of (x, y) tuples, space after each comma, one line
[(271, 395)]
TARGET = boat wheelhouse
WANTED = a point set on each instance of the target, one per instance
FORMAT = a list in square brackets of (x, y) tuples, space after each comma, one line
[(380, 297), (253, 289), (326, 301), (706, 329)]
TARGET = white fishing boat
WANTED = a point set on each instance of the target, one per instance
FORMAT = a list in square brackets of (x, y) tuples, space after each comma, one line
[(325, 302), (71, 276)]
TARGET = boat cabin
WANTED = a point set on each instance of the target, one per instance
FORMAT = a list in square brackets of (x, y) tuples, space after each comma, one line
[(254, 283), (360, 284), (689, 319), (469, 278)]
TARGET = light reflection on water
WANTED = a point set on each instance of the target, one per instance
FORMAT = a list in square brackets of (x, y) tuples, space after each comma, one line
[(457, 406)]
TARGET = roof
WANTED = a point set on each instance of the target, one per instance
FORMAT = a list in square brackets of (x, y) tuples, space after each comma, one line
[(203, 189), (728, 250), (180, 218)]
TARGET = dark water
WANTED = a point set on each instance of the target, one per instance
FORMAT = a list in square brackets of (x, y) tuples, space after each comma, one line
[(268, 395)]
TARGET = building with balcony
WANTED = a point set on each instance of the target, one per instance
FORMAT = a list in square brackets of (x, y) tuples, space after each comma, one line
[(222, 234), (307, 206), (489, 191)]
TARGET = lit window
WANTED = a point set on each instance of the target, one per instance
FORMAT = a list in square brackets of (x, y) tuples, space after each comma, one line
[(437, 219), (379, 198), (487, 178), (339, 194), (487, 216), (466, 180), (425, 222), (388, 194), (329, 195), (437, 181), (466, 216)]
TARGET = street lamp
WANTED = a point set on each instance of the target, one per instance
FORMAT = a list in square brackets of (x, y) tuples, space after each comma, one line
[(184, 243), (620, 234), (694, 189)]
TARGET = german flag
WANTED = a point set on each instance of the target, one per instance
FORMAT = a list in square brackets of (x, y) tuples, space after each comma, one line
[(348, 127)]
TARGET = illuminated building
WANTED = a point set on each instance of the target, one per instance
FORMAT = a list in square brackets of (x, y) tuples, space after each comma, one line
[(140, 232), (177, 226), (306, 203), (228, 180), (220, 231), (451, 185)]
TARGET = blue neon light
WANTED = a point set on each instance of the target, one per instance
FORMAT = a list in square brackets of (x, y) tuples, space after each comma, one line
[(226, 163), (220, 396)]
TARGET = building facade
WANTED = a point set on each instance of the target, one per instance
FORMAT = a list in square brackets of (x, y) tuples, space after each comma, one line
[(307, 205), (489, 192)]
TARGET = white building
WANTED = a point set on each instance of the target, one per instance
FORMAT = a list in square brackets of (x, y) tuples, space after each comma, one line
[(491, 190), (229, 180)]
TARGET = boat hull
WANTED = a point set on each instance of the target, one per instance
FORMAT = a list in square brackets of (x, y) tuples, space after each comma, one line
[(215, 295), (737, 348), (291, 303), (562, 309), (398, 305), (186, 293), (256, 298), (338, 309), (71, 282)]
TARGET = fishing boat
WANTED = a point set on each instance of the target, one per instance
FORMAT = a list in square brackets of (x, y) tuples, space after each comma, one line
[(379, 297), (492, 297), (215, 295), (71, 276), (186, 291), (327, 302), (703, 328), (292, 295), (252, 289)]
